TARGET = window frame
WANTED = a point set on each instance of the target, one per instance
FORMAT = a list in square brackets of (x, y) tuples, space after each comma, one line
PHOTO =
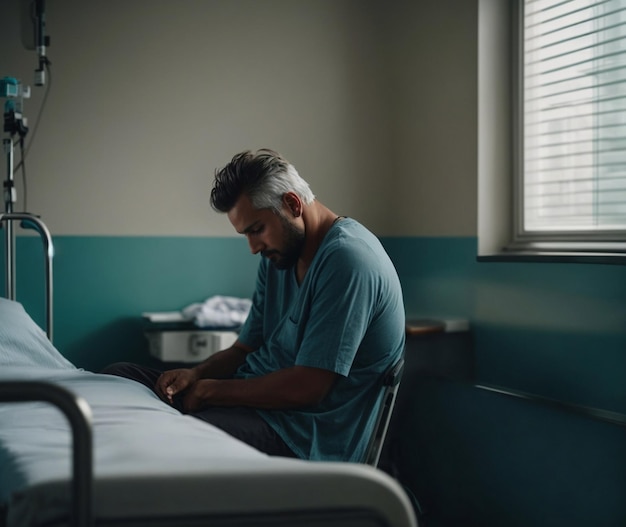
[(500, 128)]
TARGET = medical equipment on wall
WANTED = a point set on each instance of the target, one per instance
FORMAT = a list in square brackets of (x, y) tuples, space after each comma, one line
[(33, 33)]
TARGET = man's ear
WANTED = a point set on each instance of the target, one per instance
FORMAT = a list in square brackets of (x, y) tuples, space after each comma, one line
[(293, 203)]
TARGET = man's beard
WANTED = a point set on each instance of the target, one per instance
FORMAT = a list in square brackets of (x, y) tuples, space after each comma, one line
[(292, 246)]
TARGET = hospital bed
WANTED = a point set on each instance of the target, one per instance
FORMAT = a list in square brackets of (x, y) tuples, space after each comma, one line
[(80, 448)]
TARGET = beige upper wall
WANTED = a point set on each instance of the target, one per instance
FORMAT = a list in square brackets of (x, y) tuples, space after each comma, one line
[(435, 128), (373, 101)]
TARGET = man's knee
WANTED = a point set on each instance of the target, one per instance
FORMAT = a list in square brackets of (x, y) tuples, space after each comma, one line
[(143, 374), (118, 368)]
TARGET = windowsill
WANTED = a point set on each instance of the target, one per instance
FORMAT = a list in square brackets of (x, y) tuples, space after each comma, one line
[(556, 257)]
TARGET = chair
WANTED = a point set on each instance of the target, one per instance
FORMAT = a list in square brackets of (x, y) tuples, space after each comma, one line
[(390, 384)]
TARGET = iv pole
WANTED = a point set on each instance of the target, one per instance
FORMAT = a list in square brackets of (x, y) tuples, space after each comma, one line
[(14, 123), (9, 234)]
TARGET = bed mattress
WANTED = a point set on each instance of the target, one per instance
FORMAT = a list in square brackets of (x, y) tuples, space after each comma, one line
[(155, 466)]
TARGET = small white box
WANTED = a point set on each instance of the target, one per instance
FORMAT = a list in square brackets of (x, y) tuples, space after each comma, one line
[(188, 346)]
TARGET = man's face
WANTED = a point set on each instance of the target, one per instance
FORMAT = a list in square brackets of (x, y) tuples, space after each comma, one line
[(273, 235)]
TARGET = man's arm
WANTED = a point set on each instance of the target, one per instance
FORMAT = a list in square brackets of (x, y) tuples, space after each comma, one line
[(295, 387), (223, 364)]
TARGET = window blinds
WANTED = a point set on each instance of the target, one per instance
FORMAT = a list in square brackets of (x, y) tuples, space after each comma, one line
[(574, 116)]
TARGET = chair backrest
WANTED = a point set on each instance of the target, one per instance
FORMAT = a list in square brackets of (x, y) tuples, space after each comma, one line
[(390, 384)]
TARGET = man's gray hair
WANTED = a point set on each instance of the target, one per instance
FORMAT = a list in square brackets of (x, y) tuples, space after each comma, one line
[(264, 176)]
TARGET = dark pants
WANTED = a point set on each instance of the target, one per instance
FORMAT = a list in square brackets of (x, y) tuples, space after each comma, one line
[(240, 422)]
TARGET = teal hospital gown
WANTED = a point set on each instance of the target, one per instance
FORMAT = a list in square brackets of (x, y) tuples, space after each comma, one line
[(346, 316)]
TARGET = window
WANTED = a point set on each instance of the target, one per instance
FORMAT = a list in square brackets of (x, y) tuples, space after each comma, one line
[(562, 76)]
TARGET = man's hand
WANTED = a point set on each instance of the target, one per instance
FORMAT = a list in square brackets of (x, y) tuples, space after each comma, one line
[(175, 381)]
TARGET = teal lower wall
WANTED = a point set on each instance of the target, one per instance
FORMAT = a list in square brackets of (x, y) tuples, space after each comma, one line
[(558, 330), (554, 329), (475, 458)]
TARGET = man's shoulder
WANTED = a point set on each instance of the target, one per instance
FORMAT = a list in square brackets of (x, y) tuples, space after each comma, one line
[(353, 238)]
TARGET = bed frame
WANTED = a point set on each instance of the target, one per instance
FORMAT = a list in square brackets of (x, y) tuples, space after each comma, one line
[(257, 491), (27, 221), (78, 413)]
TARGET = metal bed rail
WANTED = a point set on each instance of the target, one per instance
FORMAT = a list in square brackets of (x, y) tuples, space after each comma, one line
[(28, 221), (78, 413)]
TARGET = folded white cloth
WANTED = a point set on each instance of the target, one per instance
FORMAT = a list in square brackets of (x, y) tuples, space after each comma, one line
[(218, 311)]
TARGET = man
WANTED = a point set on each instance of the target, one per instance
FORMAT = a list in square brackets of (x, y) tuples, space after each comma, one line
[(327, 320)]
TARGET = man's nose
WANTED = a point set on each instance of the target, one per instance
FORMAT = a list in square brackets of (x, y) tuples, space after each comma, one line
[(256, 246)]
